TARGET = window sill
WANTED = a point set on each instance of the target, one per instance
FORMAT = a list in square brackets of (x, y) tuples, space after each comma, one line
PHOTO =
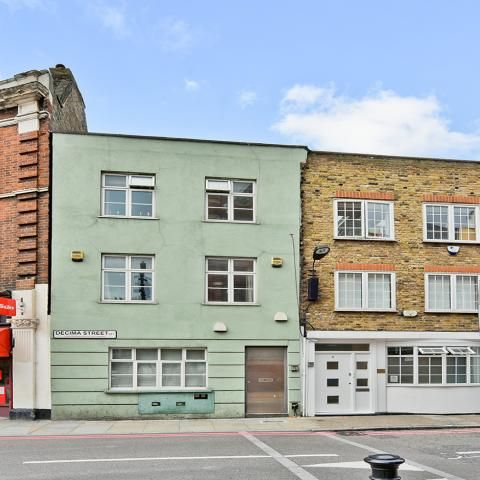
[(157, 390), (453, 242), (231, 221), (231, 304), (128, 218), (362, 239), (362, 310), (463, 312), (133, 302)]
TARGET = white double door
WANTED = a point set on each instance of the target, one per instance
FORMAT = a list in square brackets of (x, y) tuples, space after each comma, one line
[(342, 383)]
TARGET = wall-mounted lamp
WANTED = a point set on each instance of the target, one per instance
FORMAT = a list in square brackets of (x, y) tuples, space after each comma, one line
[(319, 252)]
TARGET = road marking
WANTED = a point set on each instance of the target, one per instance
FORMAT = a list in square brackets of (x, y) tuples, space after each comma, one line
[(467, 453), (146, 459), (297, 470), (362, 464), (446, 476), (312, 455)]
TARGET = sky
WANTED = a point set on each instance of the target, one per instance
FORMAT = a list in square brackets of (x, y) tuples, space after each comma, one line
[(397, 77)]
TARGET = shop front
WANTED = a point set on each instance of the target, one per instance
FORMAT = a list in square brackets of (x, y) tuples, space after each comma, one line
[(5, 371)]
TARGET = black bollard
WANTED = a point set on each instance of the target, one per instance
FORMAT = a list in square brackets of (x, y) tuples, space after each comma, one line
[(384, 466)]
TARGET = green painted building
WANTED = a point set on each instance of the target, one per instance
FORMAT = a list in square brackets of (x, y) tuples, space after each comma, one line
[(174, 277)]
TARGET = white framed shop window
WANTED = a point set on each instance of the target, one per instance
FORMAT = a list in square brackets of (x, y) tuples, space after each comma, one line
[(157, 368), (433, 365)]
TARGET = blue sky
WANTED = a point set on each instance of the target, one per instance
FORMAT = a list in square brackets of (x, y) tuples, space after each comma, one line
[(393, 77)]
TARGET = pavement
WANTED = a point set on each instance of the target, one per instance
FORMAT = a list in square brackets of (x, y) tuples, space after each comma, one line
[(28, 428)]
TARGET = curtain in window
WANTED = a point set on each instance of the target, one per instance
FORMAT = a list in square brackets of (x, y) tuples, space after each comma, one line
[(439, 292)]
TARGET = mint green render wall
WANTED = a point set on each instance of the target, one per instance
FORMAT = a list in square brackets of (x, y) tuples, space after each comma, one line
[(180, 239)]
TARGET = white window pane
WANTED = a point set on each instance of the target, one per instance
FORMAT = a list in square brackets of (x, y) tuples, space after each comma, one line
[(195, 381), (114, 279), (464, 223), (350, 290), (168, 354), (121, 353), (141, 294), (217, 206), (146, 380), (243, 187), (349, 219), (217, 264), (142, 263), (171, 380), (243, 265), (172, 368), (378, 220), (122, 368), (115, 202), (218, 185), (195, 354), (114, 261), (379, 290), (142, 180), (119, 381), (437, 222), (142, 204), (195, 368), (114, 293), (115, 180), (439, 292), (146, 368), (466, 292), (147, 354)]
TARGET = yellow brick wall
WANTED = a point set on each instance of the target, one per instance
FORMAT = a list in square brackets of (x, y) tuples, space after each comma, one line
[(408, 179)]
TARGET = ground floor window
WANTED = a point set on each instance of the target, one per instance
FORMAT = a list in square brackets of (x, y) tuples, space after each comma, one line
[(147, 368), (438, 365)]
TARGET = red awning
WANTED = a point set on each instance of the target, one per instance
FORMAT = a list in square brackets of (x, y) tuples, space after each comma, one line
[(5, 342)]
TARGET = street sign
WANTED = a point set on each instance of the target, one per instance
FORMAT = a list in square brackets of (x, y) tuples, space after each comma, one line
[(8, 306), (84, 334)]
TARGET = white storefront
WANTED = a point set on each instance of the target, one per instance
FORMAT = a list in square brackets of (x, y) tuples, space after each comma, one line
[(346, 372)]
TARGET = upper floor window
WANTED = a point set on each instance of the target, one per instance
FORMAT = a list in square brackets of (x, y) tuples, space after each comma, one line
[(147, 368), (230, 280), (451, 293), (230, 200), (373, 291), (451, 223), (364, 219), (127, 278), (128, 195)]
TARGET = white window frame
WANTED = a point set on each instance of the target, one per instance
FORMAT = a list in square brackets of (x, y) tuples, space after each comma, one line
[(364, 307), (130, 186), (159, 362), (128, 270), (453, 293), (451, 222), (438, 351), (231, 274), (229, 193), (364, 220)]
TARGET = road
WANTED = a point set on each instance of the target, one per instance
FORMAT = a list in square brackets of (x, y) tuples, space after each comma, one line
[(430, 455)]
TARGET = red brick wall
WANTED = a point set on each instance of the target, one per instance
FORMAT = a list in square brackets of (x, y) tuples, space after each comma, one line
[(24, 165)]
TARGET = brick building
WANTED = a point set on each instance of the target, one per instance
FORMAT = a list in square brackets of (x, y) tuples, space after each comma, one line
[(32, 104), (396, 324)]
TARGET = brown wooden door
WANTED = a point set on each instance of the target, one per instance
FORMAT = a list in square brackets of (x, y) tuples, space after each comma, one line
[(265, 381)]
